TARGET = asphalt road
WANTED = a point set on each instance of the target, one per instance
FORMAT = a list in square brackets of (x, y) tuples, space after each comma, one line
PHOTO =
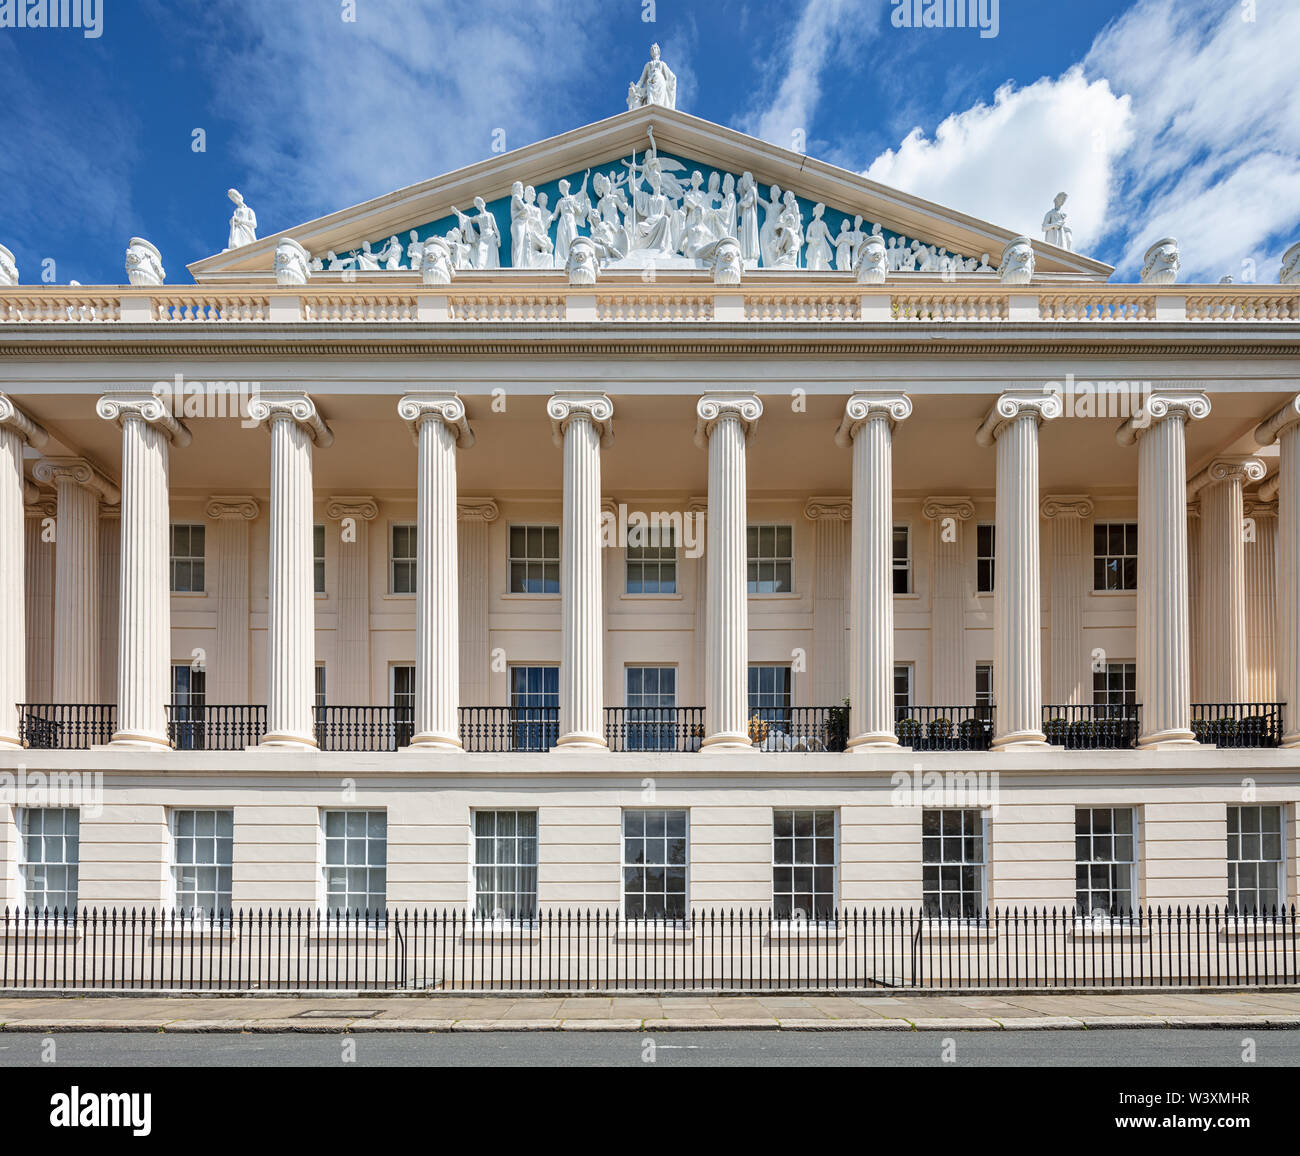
[(1106, 1048)]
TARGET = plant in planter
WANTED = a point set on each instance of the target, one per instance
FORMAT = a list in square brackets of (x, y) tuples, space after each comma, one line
[(939, 731), (970, 734), (1252, 731), (1082, 733), (696, 739), (835, 732), (1056, 730), (908, 731), (757, 730)]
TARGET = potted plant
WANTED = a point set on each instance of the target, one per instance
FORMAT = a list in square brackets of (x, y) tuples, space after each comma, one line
[(909, 731), (696, 738), (1056, 729), (939, 732), (836, 730), (757, 731)]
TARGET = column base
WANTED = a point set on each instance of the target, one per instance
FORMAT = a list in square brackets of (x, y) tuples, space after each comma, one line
[(874, 741), (728, 742), (578, 743), (1291, 742), (1171, 739), (288, 741), (140, 740), (431, 742), (1016, 741), (10, 742)]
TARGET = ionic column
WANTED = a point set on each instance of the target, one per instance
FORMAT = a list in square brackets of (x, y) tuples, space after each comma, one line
[(39, 565), (950, 587), (581, 424), (868, 425), (16, 431), (476, 516), (1284, 428), (144, 617), (1223, 574), (1068, 583), (438, 425), (1261, 598), (295, 427), (110, 578), (830, 664), (80, 486), (349, 678), (1163, 624), (724, 422), (228, 665), (1012, 424)]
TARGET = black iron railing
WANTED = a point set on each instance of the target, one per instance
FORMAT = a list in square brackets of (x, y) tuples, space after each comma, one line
[(654, 728), (799, 728), (215, 728), (564, 951), (50, 726), (509, 728), (944, 728), (1238, 724), (1092, 728), (363, 728)]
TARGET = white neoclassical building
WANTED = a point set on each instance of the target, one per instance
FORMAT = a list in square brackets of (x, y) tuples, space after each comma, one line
[(650, 518)]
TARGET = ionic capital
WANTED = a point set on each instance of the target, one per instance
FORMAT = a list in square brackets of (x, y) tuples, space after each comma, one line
[(1268, 431), (359, 507), (477, 510), (1165, 405), (86, 474), (12, 417), (579, 405), (1228, 469), (417, 408), (828, 509), (935, 509), (712, 408), (1258, 508), (268, 408), (145, 407), (231, 507), (1066, 506), (866, 407), (1040, 405)]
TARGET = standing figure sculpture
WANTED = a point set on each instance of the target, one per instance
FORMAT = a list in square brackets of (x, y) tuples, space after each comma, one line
[(818, 256), (243, 222), (658, 84), (570, 210), (1055, 230), (747, 203)]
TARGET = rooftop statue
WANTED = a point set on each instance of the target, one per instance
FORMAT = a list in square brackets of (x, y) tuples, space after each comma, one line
[(658, 84), (1161, 264), (435, 262), (144, 263), (292, 263), (1017, 265), (1289, 274), (8, 268), (873, 265), (1055, 230), (243, 222)]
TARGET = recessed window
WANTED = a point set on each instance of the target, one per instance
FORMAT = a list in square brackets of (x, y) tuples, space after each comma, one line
[(652, 566), (1104, 845), (985, 534), (769, 700), (952, 870), (202, 856), (651, 714), (402, 694), (803, 864), (1115, 689), (189, 698), (187, 559), (771, 559), (356, 861), (903, 687), (50, 858), (505, 864), (902, 560), (534, 559), (1255, 860), (983, 684), (535, 707), (320, 685), (654, 864), (1114, 556), (401, 559), (318, 557)]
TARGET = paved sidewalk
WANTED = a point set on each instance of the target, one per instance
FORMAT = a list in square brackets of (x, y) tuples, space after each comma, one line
[(634, 1012)]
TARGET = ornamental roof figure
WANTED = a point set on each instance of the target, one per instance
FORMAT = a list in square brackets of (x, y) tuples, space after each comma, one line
[(658, 84)]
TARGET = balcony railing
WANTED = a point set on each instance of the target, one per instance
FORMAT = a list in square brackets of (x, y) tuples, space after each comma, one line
[(654, 728), (944, 728), (509, 728), (363, 728), (799, 728), (1238, 724), (1092, 728), (62, 726), (215, 728)]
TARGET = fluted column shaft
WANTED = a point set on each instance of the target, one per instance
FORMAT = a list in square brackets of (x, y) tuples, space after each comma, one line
[(474, 559), (39, 565), (228, 665), (76, 592), (830, 666), (1284, 428), (950, 585), (1261, 604), (724, 422), (1069, 514), (349, 677)]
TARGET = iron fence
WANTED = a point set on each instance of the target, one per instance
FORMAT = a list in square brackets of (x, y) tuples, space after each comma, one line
[(654, 728), (363, 728), (215, 728), (1238, 724), (509, 728), (563, 951), (48, 726), (799, 728), (944, 728), (1092, 728)]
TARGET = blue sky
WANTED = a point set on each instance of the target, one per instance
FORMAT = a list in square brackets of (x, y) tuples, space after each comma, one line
[(1158, 117)]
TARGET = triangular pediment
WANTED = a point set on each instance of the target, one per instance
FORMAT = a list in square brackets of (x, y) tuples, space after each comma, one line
[(684, 145)]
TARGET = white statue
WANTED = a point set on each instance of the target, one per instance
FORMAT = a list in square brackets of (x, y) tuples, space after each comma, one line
[(144, 263), (818, 256), (243, 222), (8, 267), (571, 211), (984, 266), (771, 215), (1161, 264), (658, 84), (581, 261), (366, 259), (747, 204), (787, 236), (1055, 230), (608, 218), (435, 262), (415, 251), (292, 263), (1289, 274), (480, 233), (727, 210), (335, 263), (727, 262), (873, 264), (391, 254), (1017, 265)]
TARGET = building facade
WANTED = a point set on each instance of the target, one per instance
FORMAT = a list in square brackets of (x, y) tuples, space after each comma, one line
[(675, 548)]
